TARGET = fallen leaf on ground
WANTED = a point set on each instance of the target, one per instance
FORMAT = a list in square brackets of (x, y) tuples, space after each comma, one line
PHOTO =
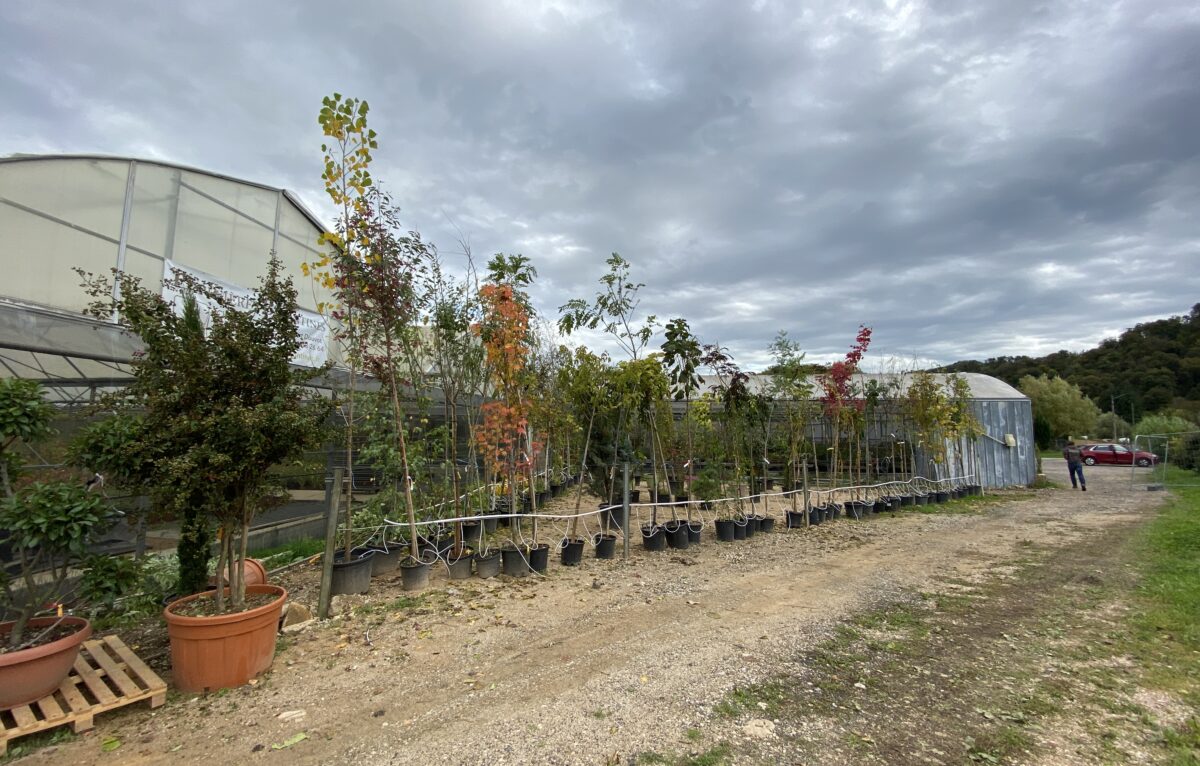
[(300, 737)]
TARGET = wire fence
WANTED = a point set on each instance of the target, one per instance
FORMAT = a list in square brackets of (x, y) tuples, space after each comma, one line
[(1165, 453)]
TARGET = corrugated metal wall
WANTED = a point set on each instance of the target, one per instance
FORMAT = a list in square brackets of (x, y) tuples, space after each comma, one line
[(998, 464)]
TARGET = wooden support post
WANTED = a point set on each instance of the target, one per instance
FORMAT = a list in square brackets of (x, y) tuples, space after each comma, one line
[(807, 507), (333, 493), (625, 510)]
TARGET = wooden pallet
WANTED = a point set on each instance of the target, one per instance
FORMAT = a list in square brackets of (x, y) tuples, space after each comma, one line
[(107, 675)]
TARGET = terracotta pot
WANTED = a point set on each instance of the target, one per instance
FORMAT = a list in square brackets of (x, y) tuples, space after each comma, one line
[(252, 570), (30, 674), (223, 650)]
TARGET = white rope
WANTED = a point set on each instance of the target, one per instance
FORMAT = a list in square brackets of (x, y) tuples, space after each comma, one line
[(919, 484)]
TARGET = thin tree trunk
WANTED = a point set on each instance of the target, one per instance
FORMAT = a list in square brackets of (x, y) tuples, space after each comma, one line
[(582, 469), (222, 559)]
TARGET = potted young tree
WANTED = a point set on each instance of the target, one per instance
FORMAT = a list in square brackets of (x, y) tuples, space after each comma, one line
[(792, 388), (927, 408), (614, 310), (46, 529), (502, 436), (582, 380), (220, 405), (459, 367), (735, 406), (842, 408)]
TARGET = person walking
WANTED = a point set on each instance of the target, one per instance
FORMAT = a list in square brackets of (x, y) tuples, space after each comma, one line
[(1075, 466)]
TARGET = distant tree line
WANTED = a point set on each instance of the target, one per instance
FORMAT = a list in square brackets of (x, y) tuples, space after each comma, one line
[(1150, 368)]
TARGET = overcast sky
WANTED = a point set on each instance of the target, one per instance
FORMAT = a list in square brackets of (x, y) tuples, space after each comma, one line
[(971, 179)]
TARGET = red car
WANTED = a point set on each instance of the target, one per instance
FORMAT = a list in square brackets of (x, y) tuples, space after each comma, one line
[(1115, 454)]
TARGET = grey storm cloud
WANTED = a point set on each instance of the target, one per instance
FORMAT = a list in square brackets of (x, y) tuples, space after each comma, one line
[(970, 179)]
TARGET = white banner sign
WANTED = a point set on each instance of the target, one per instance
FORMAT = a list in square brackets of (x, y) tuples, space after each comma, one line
[(314, 331)]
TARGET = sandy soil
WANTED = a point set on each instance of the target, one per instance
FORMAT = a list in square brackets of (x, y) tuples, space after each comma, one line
[(587, 665)]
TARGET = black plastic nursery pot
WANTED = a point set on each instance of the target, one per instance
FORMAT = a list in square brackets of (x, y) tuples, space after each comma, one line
[(515, 561), (414, 575), (943, 497), (795, 519), (882, 505), (922, 499), (572, 552), (740, 529), (766, 524), (435, 547), (606, 546), (907, 500), (677, 534), (694, 530), (460, 568), (654, 537), (353, 576), (385, 562), (487, 565), (539, 558), (681, 498), (815, 516), (755, 523), (489, 525), (830, 512), (612, 516), (726, 530), (471, 532)]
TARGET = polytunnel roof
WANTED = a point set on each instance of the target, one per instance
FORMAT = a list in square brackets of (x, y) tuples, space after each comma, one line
[(291, 196), (983, 387), (75, 356)]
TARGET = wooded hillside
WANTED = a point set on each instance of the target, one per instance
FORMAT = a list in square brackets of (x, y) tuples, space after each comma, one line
[(1148, 368)]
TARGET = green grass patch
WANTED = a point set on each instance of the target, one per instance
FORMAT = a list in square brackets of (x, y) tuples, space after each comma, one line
[(761, 699), (289, 551), (713, 757), (971, 503), (1042, 482), (23, 746), (1166, 617), (398, 604), (998, 745)]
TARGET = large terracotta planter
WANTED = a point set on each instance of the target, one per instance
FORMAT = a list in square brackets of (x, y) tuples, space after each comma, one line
[(30, 674), (224, 650)]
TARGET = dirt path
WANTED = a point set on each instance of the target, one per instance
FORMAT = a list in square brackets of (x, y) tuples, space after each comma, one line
[(591, 665)]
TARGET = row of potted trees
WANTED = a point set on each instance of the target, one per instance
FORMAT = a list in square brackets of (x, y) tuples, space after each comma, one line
[(214, 403), (521, 408)]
